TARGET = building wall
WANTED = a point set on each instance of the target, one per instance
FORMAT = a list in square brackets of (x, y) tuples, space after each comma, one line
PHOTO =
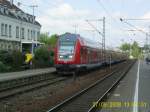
[(28, 33), (9, 45)]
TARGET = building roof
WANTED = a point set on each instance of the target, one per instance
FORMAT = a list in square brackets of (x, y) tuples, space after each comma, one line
[(9, 5), (11, 10)]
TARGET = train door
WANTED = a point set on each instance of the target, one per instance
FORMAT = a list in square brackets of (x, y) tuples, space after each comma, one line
[(82, 56), (88, 54)]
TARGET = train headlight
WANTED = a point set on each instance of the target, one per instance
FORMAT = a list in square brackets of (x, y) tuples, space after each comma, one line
[(70, 56), (60, 56)]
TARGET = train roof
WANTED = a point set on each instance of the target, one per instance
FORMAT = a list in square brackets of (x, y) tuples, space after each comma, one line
[(84, 41)]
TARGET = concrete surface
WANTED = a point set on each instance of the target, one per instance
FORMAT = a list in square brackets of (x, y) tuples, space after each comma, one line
[(26, 73), (133, 92)]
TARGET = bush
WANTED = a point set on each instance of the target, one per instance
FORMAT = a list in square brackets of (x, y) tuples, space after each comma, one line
[(41, 57), (6, 57), (4, 68), (12, 59), (51, 60), (17, 59)]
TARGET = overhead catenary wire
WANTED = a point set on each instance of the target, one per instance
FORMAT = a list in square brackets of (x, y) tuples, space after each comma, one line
[(111, 16), (108, 13), (94, 28), (131, 25), (142, 19)]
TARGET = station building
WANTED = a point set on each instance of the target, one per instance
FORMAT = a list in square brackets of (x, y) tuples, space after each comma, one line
[(18, 30)]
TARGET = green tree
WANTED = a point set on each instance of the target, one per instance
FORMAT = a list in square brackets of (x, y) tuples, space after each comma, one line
[(44, 38), (48, 40), (41, 57), (53, 40), (125, 47), (136, 51)]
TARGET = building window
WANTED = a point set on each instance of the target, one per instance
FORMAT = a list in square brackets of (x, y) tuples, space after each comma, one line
[(17, 32), (5, 29), (31, 35), (34, 35), (5, 45), (28, 34), (9, 30), (9, 47), (22, 33), (2, 29), (2, 46), (38, 35)]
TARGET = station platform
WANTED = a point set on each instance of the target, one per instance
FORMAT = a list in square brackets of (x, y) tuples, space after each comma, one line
[(133, 92), (26, 73)]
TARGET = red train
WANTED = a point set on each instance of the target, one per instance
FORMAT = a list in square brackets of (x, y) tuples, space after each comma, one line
[(74, 53)]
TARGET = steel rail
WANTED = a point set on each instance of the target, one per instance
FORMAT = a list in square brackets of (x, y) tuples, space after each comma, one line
[(30, 87), (57, 107)]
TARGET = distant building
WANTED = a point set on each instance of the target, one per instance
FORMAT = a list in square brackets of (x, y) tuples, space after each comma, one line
[(18, 30)]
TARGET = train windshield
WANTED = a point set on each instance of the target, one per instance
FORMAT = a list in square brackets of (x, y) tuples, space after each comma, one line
[(67, 47), (66, 50)]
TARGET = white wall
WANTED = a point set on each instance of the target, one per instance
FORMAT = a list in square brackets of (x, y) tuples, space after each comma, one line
[(15, 22)]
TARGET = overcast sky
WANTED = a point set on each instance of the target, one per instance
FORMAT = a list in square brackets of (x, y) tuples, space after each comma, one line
[(59, 16)]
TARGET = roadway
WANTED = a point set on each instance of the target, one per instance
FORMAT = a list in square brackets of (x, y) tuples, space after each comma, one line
[(133, 92)]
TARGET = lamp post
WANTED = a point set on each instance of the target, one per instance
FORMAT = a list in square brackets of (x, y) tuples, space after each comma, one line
[(100, 33), (20, 32), (130, 47)]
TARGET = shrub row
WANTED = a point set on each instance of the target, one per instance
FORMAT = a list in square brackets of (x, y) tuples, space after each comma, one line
[(10, 60), (43, 57), (13, 60)]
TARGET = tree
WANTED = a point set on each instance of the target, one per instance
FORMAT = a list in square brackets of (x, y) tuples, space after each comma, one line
[(125, 47), (53, 40), (136, 51), (48, 40), (44, 38), (41, 57)]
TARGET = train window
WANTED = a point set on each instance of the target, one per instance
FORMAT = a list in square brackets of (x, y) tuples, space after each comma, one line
[(66, 49), (67, 46), (67, 43)]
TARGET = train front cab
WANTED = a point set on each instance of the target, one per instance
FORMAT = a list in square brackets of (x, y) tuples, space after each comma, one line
[(67, 53)]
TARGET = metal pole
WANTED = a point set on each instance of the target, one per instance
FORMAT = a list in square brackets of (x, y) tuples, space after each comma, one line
[(75, 29), (148, 39), (74, 76), (130, 50), (20, 33), (147, 47), (110, 61), (103, 40), (102, 34), (33, 7)]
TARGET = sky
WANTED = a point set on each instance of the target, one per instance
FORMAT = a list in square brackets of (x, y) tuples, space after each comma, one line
[(60, 16)]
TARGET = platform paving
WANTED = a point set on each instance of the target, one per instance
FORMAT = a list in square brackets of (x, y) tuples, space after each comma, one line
[(133, 92), (26, 73)]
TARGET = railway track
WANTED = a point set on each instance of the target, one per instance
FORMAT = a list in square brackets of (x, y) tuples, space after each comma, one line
[(97, 92), (13, 87), (18, 89)]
